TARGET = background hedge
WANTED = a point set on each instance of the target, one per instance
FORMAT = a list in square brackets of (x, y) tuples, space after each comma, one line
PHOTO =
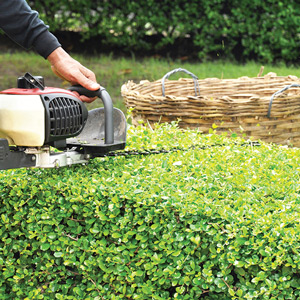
[(241, 29), (220, 223)]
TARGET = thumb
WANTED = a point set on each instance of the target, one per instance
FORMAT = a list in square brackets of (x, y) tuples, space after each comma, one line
[(90, 84), (87, 79)]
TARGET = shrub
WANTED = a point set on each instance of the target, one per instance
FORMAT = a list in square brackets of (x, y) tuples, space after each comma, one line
[(216, 223), (261, 30)]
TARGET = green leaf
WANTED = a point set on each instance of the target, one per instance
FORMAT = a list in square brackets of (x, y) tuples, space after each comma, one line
[(4, 218), (94, 230), (146, 290), (58, 254), (240, 271), (45, 246), (176, 253), (116, 235)]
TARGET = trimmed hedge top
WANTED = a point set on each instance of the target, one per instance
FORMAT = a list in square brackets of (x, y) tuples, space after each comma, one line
[(218, 223)]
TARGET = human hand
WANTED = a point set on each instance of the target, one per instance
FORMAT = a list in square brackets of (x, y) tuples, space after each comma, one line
[(69, 69)]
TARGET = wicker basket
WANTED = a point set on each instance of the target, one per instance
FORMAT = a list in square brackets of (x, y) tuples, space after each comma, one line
[(265, 108)]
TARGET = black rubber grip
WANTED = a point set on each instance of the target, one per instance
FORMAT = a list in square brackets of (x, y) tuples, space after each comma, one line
[(85, 92)]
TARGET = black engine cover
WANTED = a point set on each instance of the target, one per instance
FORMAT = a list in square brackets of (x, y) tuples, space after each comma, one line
[(65, 116)]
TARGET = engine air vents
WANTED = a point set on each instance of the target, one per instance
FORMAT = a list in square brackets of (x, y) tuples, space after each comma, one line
[(65, 116)]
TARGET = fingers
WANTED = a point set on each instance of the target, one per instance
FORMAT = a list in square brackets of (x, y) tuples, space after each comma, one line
[(87, 79), (85, 98), (83, 76)]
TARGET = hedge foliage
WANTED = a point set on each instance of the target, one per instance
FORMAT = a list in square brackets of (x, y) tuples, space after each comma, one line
[(219, 223), (242, 29)]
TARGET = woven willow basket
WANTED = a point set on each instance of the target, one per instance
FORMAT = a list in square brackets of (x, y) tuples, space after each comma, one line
[(264, 108)]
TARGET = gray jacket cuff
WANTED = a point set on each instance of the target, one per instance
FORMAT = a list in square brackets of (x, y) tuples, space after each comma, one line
[(46, 43)]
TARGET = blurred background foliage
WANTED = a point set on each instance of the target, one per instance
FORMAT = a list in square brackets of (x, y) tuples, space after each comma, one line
[(266, 31)]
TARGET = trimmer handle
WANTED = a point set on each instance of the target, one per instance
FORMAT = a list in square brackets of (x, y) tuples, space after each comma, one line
[(108, 108), (85, 92)]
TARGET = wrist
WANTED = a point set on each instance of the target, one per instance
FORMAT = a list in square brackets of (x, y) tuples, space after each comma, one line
[(57, 55)]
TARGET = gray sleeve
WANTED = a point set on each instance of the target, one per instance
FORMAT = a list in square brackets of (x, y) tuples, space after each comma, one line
[(23, 25)]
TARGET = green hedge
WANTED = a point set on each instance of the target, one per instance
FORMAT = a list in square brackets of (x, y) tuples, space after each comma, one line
[(241, 29), (220, 223)]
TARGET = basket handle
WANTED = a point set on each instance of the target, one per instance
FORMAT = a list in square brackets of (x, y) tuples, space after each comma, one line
[(278, 92), (195, 78)]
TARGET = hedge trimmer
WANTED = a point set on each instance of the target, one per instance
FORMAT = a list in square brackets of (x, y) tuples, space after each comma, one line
[(50, 127), (35, 118)]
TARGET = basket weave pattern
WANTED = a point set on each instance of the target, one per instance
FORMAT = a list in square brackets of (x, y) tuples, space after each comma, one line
[(233, 105)]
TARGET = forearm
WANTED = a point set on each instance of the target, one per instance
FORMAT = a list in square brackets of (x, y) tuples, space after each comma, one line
[(23, 25)]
